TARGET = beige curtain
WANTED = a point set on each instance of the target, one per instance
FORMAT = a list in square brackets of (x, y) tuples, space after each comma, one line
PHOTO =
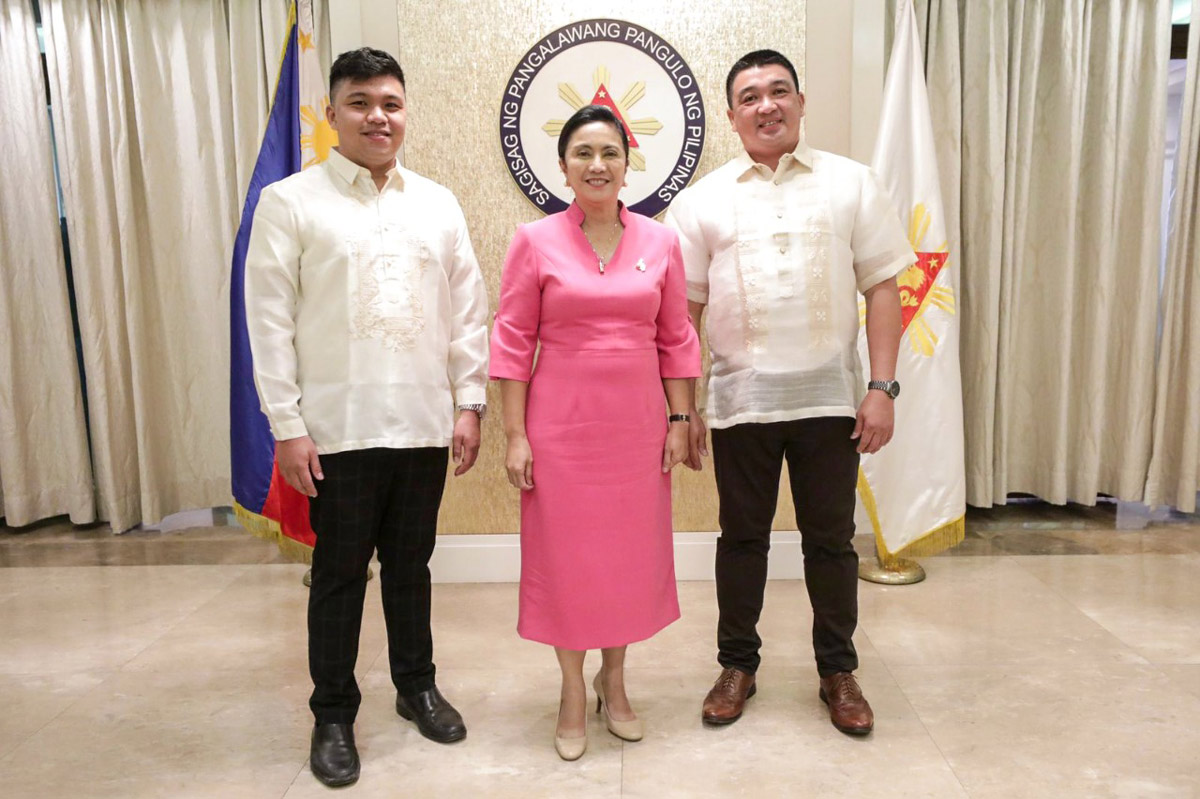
[(159, 107), (44, 467), (1050, 126), (1175, 466)]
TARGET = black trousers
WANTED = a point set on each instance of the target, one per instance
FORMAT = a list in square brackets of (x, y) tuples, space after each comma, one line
[(823, 471), (372, 499)]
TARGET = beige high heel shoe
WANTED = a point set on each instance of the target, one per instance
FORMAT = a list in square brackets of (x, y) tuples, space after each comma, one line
[(570, 748), (632, 730)]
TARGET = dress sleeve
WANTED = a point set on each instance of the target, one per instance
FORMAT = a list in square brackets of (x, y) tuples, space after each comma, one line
[(678, 344), (514, 335)]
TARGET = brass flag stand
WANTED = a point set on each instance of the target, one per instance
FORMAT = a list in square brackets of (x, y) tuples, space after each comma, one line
[(899, 571)]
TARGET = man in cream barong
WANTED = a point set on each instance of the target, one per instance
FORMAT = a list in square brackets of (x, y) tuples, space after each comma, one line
[(367, 317), (778, 245)]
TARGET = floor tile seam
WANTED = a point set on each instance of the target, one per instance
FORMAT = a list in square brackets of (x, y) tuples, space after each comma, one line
[(1057, 592), (621, 772), (295, 780), (1138, 660), (179, 620), (1107, 555), (908, 700), (109, 676)]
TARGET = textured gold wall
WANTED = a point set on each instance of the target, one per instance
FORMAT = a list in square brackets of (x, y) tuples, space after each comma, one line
[(457, 55)]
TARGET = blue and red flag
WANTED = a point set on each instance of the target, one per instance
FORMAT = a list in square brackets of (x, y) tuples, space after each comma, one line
[(297, 136)]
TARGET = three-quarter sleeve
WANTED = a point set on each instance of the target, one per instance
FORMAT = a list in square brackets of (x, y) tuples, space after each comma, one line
[(514, 335), (678, 344)]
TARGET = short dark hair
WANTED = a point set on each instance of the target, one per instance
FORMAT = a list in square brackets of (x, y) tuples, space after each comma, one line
[(590, 113), (363, 64), (758, 58)]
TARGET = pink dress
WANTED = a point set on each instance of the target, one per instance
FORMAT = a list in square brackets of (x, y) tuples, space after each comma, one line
[(597, 561)]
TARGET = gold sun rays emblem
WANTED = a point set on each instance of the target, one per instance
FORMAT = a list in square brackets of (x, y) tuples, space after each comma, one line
[(917, 289), (647, 126), (319, 137)]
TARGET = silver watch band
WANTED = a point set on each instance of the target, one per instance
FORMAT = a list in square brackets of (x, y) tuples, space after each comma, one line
[(479, 408)]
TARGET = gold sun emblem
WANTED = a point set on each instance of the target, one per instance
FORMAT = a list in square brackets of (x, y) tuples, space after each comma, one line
[(319, 137), (647, 126), (917, 289)]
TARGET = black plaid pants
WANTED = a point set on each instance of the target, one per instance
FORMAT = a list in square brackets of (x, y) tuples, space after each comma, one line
[(372, 499), (823, 472)]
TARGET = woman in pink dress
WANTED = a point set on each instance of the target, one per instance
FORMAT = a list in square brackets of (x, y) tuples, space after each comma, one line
[(594, 431)]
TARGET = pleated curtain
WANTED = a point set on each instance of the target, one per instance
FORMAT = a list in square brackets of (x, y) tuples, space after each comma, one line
[(1175, 465), (44, 466), (1049, 119), (159, 107)]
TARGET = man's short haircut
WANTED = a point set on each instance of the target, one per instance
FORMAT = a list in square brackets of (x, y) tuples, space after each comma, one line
[(363, 64), (758, 58), (590, 113)]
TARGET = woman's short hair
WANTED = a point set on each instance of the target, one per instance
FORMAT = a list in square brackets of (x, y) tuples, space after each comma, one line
[(585, 115)]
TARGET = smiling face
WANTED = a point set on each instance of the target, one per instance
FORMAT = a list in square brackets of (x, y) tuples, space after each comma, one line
[(369, 117), (766, 112), (595, 163)]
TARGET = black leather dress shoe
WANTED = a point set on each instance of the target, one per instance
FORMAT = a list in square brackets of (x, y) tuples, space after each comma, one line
[(334, 758), (435, 717)]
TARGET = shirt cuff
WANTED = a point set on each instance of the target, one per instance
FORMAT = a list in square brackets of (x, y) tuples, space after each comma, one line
[(470, 395), (295, 428)]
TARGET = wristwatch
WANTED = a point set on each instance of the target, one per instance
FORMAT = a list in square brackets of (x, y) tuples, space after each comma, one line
[(479, 408), (889, 387)]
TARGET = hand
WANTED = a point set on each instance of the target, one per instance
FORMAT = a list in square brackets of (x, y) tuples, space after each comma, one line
[(299, 464), (697, 441), (875, 422), (676, 448), (466, 441), (518, 462)]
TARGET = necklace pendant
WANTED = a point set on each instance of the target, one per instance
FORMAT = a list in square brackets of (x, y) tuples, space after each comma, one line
[(600, 264)]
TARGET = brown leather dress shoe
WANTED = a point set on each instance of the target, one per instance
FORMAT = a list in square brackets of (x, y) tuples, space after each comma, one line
[(727, 699), (848, 708)]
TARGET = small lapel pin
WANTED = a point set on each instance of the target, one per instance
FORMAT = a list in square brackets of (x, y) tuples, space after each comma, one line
[(640, 265)]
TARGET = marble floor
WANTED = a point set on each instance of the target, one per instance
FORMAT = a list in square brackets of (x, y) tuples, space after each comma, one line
[(1051, 655)]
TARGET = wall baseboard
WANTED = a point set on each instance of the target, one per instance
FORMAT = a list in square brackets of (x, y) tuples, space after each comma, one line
[(497, 558)]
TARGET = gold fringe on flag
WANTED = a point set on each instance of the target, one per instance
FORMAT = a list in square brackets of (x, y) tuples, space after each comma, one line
[(937, 540), (260, 526)]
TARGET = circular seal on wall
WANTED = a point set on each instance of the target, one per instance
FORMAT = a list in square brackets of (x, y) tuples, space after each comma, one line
[(633, 71)]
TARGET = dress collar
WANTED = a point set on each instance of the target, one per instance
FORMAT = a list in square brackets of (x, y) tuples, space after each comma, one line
[(575, 213)]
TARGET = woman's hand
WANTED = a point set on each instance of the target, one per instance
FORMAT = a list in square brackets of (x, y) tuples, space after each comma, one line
[(518, 462), (676, 449)]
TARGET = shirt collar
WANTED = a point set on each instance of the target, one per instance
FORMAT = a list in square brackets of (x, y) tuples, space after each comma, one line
[(350, 172), (575, 213), (802, 155)]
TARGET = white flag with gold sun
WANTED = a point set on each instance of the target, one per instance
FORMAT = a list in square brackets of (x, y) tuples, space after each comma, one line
[(912, 494), (317, 138)]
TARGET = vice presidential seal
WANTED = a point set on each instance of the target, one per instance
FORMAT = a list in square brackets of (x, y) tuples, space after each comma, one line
[(633, 71)]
